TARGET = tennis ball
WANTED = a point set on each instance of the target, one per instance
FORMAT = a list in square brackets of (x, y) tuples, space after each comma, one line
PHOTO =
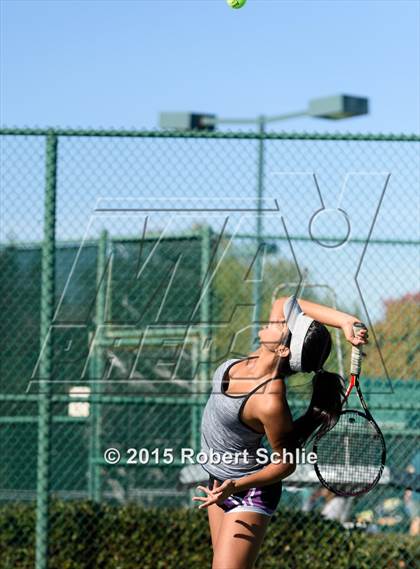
[(236, 3)]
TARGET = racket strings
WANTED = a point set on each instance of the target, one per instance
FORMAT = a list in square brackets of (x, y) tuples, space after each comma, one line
[(350, 456)]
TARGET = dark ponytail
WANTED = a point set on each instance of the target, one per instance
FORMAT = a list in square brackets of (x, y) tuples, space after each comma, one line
[(324, 408), (328, 391)]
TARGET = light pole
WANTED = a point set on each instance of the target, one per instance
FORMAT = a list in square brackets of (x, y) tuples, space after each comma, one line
[(336, 107)]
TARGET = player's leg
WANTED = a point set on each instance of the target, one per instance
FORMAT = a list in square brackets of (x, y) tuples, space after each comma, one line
[(239, 540), (215, 515)]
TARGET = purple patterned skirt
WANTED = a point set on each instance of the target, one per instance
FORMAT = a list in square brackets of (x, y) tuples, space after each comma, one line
[(261, 499)]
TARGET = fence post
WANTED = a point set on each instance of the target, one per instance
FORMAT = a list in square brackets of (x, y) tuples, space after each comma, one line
[(98, 368), (205, 306), (257, 281), (46, 354)]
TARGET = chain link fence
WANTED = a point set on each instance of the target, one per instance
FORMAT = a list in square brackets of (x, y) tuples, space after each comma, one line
[(132, 264)]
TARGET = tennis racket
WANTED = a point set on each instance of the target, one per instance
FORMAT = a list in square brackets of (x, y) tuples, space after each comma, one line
[(351, 455)]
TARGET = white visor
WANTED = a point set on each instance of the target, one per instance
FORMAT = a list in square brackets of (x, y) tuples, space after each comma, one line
[(298, 324)]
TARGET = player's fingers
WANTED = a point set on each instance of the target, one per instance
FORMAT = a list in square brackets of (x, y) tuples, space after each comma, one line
[(359, 343), (198, 499), (348, 335), (204, 489), (209, 502)]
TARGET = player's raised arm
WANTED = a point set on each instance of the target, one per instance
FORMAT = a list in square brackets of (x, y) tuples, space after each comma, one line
[(324, 315)]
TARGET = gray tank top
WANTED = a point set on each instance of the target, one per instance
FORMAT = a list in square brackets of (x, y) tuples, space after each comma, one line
[(223, 430)]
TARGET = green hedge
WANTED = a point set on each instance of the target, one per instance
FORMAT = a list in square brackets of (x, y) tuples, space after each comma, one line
[(85, 535)]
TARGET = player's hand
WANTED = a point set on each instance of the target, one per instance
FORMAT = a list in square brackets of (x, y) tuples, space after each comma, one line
[(215, 496), (356, 340)]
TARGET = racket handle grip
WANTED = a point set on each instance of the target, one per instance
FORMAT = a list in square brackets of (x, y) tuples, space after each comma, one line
[(356, 352)]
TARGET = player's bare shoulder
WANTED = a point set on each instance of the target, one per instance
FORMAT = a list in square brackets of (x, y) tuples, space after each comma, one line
[(272, 395)]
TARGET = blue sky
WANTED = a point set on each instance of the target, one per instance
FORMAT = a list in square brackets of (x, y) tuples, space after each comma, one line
[(118, 63)]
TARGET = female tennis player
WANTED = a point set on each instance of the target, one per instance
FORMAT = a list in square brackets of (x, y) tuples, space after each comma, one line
[(242, 492)]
